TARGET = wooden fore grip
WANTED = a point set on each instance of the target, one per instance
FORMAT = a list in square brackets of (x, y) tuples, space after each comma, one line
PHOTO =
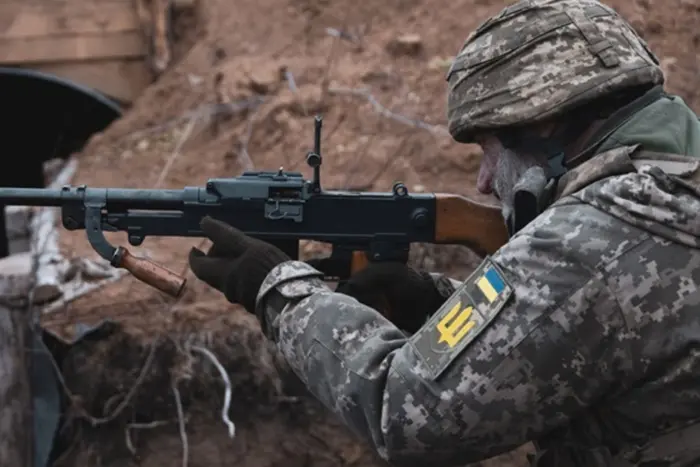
[(149, 272), (460, 220)]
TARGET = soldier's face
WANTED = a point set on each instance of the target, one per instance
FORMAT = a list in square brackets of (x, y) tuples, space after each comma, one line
[(501, 168), (487, 171)]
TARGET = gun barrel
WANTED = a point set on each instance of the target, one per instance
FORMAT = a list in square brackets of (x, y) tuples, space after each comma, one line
[(136, 198), (30, 197), (128, 198)]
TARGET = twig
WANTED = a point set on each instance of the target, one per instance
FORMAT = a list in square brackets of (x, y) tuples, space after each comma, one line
[(181, 421), (380, 109), (178, 147), (329, 133), (140, 426), (63, 457), (129, 395), (72, 292), (368, 184), (203, 111), (96, 421), (291, 82), (325, 83), (227, 394), (343, 34), (243, 153), (357, 162)]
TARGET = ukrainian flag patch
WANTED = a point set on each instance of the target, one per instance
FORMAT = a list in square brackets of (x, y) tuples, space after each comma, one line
[(491, 284), (462, 317)]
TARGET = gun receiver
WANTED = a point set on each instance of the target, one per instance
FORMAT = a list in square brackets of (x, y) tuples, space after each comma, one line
[(278, 207)]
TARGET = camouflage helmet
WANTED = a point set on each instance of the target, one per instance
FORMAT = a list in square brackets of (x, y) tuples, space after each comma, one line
[(537, 59)]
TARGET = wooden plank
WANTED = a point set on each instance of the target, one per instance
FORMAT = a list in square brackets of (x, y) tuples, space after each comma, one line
[(119, 79), (16, 408), (22, 21), (61, 49)]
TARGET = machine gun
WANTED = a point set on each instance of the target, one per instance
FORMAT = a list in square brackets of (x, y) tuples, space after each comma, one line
[(278, 207)]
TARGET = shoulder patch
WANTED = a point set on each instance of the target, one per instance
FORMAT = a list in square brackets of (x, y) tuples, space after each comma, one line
[(462, 317)]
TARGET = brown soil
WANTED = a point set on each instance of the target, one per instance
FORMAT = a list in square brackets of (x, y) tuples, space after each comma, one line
[(198, 122)]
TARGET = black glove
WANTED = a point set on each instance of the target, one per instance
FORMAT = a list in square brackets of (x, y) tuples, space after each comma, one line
[(402, 294), (236, 264)]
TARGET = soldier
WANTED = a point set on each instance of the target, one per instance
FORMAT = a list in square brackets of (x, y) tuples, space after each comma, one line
[(581, 333)]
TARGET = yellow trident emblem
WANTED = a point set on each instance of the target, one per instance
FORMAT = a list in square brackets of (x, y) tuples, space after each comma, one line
[(455, 325)]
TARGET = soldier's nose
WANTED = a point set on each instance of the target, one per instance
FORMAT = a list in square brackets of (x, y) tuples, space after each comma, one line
[(484, 181)]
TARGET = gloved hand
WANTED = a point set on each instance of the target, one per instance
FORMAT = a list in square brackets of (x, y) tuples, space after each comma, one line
[(236, 264), (405, 296)]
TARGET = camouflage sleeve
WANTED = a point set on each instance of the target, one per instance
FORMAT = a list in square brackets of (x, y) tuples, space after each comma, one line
[(530, 338)]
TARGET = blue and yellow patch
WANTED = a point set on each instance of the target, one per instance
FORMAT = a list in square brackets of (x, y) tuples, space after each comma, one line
[(462, 317)]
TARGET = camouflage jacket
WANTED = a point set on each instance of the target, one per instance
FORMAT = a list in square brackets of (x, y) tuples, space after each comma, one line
[(581, 332)]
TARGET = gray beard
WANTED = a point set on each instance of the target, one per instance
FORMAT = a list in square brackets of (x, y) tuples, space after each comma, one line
[(510, 168)]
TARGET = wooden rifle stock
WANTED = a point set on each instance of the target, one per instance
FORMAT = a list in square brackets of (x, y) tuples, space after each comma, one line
[(458, 220), (462, 221)]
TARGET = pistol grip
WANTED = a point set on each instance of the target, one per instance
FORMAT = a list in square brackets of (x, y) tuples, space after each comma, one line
[(149, 272), (342, 266), (358, 261)]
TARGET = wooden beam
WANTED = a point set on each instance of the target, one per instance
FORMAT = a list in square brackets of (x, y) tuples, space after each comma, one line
[(22, 20), (122, 79), (15, 392), (72, 48)]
